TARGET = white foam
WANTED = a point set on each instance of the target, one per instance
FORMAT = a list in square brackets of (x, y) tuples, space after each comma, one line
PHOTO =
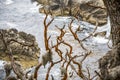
[(34, 8), (100, 40), (7, 2), (86, 34), (62, 18), (11, 24), (8, 25), (106, 28), (1, 62), (75, 26)]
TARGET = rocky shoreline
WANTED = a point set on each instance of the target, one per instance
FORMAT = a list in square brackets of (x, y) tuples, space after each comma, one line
[(89, 11), (24, 47)]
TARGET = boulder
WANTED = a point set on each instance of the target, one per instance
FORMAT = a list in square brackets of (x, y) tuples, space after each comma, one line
[(109, 64), (24, 47), (92, 13), (86, 10)]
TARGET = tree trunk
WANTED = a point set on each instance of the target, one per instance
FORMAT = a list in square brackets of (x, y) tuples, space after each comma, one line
[(113, 8), (110, 63)]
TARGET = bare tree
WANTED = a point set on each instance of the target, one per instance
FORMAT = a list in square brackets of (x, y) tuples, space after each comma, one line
[(67, 59)]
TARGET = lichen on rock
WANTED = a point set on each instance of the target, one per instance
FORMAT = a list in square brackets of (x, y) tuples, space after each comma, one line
[(86, 10), (24, 47), (110, 64)]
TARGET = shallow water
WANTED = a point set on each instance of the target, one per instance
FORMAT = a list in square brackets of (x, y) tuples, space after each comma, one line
[(24, 16)]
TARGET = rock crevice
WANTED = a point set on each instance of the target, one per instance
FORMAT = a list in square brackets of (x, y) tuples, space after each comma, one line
[(24, 46), (89, 10)]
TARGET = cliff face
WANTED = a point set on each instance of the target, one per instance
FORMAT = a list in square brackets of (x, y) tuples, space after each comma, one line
[(86, 10), (24, 47)]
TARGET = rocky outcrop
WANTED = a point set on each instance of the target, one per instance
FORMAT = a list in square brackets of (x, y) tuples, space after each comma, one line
[(110, 64), (24, 47), (92, 13), (86, 10)]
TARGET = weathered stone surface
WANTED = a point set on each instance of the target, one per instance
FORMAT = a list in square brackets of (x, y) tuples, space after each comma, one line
[(24, 47), (91, 14), (110, 64), (87, 10)]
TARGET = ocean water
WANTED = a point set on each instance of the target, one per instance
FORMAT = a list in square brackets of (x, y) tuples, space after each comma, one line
[(24, 16)]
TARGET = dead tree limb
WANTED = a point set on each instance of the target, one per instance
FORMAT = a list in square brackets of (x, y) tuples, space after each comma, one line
[(91, 34), (46, 25), (75, 35)]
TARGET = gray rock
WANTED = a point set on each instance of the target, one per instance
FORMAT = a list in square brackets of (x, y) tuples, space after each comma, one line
[(86, 10), (24, 46)]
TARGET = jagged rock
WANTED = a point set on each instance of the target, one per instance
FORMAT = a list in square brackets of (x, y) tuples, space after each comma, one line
[(11, 78), (87, 10), (91, 14), (24, 47), (110, 64), (102, 34)]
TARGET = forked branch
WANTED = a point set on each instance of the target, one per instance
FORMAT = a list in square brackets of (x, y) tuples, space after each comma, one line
[(46, 25)]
